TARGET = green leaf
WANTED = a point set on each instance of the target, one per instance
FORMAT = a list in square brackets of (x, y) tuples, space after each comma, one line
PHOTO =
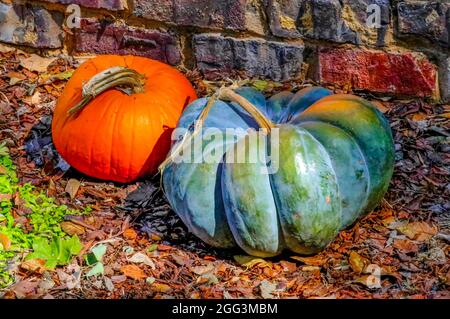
[(57, 252), (99, 251), (96, 255), (98, 269)]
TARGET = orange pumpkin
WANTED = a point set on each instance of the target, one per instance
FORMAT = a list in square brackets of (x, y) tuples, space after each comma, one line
[(116, 114)]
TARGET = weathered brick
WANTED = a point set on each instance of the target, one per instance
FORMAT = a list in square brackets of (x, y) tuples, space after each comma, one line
[(380, 72), (30, 25), (114, 5), (283, 15), (106, 37), (342, 21), (430, 19), (445, 80), (358, 13), (219, 56), (226, 14), (322, 19)]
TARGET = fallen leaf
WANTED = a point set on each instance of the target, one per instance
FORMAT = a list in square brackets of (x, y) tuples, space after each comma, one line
[(72, 187), (108, 284), (34, 265), (98, 269), (201, 270), (358, 262), (36, 63), (419, 116), (140, 258), (25, 288), (288, 266), (15, 77), (5, 241), (310, 268), (380, 106), (250, 261), (405, 245), (133, 272), (311, 261), (267, 288), (420, 231), (369, 281), (118, 279), (2, 169), (35, 98), (130, 234), (71, 228), (159, 287)]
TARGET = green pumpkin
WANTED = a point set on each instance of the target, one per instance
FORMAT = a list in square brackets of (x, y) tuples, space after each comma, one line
[(335, 160)]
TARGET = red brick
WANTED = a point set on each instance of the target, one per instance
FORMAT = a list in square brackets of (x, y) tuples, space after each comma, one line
[(380, 72), (104, 37)]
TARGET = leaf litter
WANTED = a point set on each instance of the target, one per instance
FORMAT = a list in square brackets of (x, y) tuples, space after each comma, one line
[(135, 246)]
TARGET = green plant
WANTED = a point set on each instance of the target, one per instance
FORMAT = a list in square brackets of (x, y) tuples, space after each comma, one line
[(43, 236)]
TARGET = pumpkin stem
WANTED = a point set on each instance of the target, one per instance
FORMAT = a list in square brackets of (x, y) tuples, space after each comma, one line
[(187, 138), (128, 80), (227, 94)]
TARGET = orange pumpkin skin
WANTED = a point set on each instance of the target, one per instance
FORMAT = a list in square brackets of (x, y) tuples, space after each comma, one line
[(120, 137)]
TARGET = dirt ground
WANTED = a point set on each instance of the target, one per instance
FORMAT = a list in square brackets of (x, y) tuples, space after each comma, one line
[(150, 253)]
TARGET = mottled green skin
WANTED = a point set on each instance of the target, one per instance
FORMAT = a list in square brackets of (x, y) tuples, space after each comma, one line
[(306, 192), (335, 162), (348, 163), (249, 202), (371, 131)]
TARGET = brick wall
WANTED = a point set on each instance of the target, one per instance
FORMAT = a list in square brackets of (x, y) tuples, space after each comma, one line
[(327, 40)]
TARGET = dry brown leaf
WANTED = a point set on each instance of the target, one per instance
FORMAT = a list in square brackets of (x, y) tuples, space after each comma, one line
[(201, 270), (420, 231), (72, 187), (133, 272), (36, 63), (2, 169), (25, 288), (250, 262), (358, 262), (310, 268), (34, 265), (419, 116), (288, 266), (130, 234), (5, 241), (72, 229), (405, 245), (311, 261), (159, 287), (380, 106)]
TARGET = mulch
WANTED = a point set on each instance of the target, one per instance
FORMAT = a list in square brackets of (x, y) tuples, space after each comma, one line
[(400, 250)]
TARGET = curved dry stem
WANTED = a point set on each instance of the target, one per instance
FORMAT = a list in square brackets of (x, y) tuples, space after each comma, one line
[(187, 138), (116, 76), (226, 94)]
